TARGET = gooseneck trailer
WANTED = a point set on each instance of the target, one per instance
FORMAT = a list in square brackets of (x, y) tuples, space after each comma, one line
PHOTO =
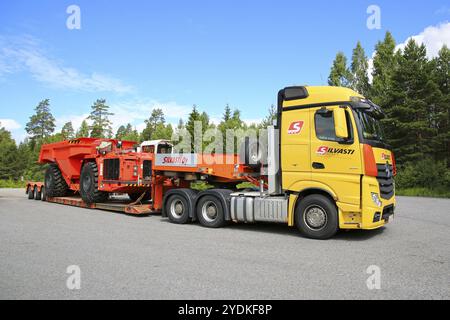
[(323, 167)]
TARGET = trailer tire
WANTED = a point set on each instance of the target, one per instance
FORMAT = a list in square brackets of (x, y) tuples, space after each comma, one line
[(177, 209), (316, 217), (43, 194), (89, 184), (30, 192), (134, 196), (55, 184), (210, 212), (37, 193)]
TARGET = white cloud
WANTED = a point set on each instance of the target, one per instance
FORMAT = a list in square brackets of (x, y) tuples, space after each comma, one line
[(10, 124), (433, 37), (26, 54)]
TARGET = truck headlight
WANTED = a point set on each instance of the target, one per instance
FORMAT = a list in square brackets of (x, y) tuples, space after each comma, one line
[(376, 199)]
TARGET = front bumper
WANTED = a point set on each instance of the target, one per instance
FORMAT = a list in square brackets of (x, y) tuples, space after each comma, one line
[(369, 216)]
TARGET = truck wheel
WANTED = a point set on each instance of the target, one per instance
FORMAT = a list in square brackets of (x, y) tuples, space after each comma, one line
[(316, 217), (30, 192), (210, 212), (37, 193), (43, 194), (55, 185), (89, 184), (135, 196), (177, 209)]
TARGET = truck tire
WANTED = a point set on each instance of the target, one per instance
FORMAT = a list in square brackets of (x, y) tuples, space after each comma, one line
[(210, 212), (177, 209), (316, 217), (55, 185), (30, 192), (89, 184), (135, 196), (37, 193)]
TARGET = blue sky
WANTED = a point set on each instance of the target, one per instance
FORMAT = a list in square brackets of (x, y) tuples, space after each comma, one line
[(172, 54)]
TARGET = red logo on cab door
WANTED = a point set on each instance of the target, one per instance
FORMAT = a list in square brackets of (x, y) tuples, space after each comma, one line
[(322, 150), (295, 127)]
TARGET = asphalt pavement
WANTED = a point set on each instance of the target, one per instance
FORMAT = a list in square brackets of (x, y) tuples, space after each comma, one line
[(127, 257)]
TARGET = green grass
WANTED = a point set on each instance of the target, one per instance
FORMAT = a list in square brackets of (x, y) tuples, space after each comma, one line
[(12, 184), (423, 192)]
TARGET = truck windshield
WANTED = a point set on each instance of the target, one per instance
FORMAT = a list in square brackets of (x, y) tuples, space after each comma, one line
[(371, 127)]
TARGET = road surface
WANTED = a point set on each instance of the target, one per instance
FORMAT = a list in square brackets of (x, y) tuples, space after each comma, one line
[(127, 257)]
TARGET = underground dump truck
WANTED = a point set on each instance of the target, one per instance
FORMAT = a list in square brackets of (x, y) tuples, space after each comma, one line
[(323, 166)]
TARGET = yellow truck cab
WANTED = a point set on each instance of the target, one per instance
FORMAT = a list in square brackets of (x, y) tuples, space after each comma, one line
[(333, 156)]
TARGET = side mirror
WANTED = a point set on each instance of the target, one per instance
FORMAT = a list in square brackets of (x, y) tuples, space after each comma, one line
[(340, 123)]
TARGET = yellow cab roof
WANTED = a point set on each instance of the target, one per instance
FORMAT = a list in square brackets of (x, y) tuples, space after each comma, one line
[(324, 94)]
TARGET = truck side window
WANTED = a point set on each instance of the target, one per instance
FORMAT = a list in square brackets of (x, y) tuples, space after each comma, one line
[(324, 123)]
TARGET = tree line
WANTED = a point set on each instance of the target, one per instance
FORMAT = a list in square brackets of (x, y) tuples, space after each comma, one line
[(413, 91)]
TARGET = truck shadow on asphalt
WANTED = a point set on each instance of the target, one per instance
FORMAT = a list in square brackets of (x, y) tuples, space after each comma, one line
[(284, 230)]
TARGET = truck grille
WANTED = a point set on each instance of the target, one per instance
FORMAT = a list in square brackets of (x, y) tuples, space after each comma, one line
[(147, 169), (385, 179), (111, 169)]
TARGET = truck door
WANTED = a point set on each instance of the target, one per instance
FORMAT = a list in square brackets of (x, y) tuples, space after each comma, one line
[(335, 162), (295, 146)]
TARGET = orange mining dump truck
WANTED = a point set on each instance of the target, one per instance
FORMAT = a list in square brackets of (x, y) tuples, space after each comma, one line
[(86, 172)]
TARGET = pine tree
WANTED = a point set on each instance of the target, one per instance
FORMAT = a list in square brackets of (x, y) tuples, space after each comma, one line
[(83, 131), (227, 113), (193, 117), (42, 123), (340, 76), (121, 132), (8, 155), (101, 125), (359, 67), (156, 118), (268, 121), (67, 131), (411, 94), (384, 65), (441, 76)]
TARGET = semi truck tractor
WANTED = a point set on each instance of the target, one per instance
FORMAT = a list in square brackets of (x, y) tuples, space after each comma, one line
[(323, 166)]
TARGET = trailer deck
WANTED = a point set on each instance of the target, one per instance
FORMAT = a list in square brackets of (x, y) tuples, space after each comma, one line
[(111, 205)]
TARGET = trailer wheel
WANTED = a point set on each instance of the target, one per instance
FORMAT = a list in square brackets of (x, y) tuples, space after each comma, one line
[(210, 212), (55, 184), (30, 192), (177, 209), (43, 194), (316, 217), (135, 196), (89, 184), (37, 193)]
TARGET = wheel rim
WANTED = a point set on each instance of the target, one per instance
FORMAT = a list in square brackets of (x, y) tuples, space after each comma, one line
[(177, 208), (209, 211), (315, 217), (87, 182)]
